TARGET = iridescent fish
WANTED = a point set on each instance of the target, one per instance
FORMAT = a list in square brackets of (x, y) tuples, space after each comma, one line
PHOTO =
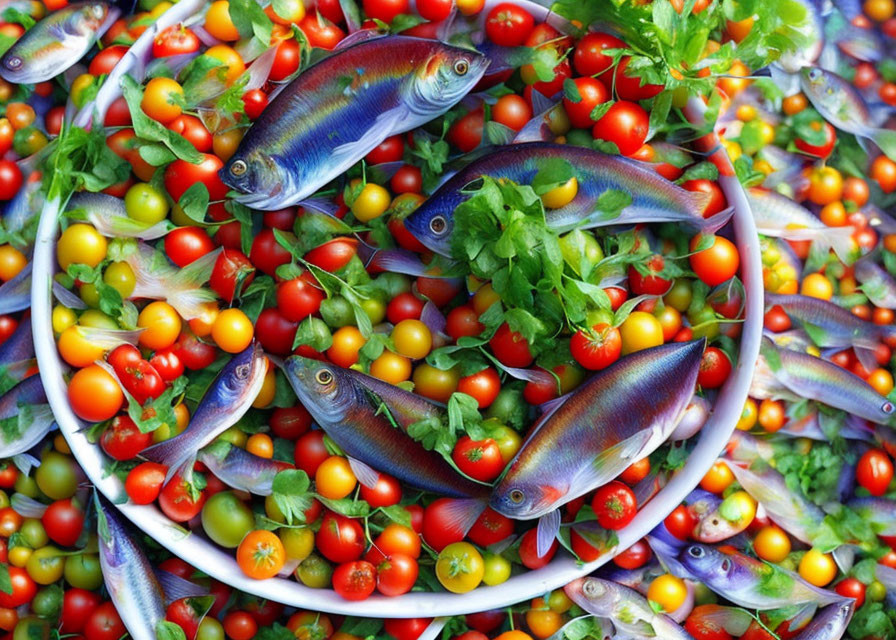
[(15, 293), (620, 415), (16, 356), (841, 105), (654, 199), (780, 217), (57, 42), (712, 518), (751, 583), (830, 623), (830, 325), (240, 469), (25, 417), (139, 594), (228, 397), (109, 216), (629, 611), (790, 375), (339, 109), (368, 418), (877, 283)]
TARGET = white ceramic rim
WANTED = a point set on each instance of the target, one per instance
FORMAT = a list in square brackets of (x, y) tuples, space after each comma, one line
[(221, 565)]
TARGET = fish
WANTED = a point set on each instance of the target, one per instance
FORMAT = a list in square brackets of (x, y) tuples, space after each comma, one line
[(15, 293), (654, 199), (108, 216), (778, 216), (791, 510), (840, 104), (368, 419), (57, 42), (240, 469), (830, 623), (629, 611), (228, 397), (879, 512), (830, 325), (749, 582), (139, 593), (794, 376), (16, 356), (340, 108), (158, 279), (877, 283), (788, 167), (23, 209), (25, 417), (710, 515), (620, 415)]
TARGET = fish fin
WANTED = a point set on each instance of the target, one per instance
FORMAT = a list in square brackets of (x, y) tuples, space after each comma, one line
[(27, 507), (844, 556), (321, 205), (25, 462), (816, 334), (175, 587), (732, 619), (717, 221), (366, 475), (345, 155), (351, 14), (197, 273), (549, 407), (803, 616), (170, 453), (462, 513), (866, 357), (885, 139), (840, 240), (395, 260), (548, 528), (612, 461)]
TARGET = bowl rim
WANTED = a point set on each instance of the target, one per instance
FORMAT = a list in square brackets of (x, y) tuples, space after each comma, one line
[(220, 564)]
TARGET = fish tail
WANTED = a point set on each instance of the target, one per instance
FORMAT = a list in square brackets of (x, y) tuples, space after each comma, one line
[(462, 513), (170, 453), (197, 273), (840, 240), (886, 140), (717, 221)]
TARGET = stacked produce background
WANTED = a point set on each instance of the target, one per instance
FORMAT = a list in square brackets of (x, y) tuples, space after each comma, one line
[(464, 319)]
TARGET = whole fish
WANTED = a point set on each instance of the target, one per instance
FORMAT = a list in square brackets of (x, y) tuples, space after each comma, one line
[(830, 623), (15, 293), (25, 417), (57, 42), (751, 583), (157, 279), (789, 375), (841, 105), (830, 325), (109, 216), (139, 593), (879, 512), (654, 199), (792, 511), (620, 415), (240, 469), (16, 356), (711, 524), (877, 283), (339, 109), (780, 217), (367, 418), (228, 397), (629, 611)]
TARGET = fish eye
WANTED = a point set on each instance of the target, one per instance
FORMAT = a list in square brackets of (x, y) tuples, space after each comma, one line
[(14, 62), (593, 588), (242, 371), (238, 168), (324, 376), (888, 407), (517, 496), (726, 564), (438, 225), (696, 552), (461, 67)]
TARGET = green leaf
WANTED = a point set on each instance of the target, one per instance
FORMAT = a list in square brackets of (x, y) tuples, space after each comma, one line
[(155, 154), (5, 581), (290, 491), (571, 91), (250, 20), (552, 173), (148, 129), (314, 333), (601, 109), (361, 627), (275, 632), (194, 202), (346, 507), (166, 630), (397, 513), (612, 202)]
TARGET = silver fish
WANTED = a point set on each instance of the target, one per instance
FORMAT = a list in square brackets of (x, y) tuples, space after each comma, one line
[(830, 623), (240, 469), (877, 283), (16, 356), (25, 417), (15, 294)]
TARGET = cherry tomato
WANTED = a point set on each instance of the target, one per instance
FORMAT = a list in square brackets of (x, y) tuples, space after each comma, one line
[(510, 347), (615, 505), (529, 551), (680, 523), (874, 471), (625, 124), (180, 175), (175, 40), (144, 482), (589, 58), (260, 554), (180, 501), (715, 367), (481, 460), (596, 348), (439, 527), (591, 92), (340, 539), (508, 25), (635, 557)]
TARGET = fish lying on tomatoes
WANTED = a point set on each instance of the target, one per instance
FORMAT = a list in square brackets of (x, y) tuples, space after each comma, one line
[(341, 108), (57, 42)]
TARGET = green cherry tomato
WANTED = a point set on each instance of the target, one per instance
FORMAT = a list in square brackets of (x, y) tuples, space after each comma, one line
[(46, 565), (145, 203), (34, 533), (83, 571), (314, 572), (56, 476), (226, 519), (47, 602)]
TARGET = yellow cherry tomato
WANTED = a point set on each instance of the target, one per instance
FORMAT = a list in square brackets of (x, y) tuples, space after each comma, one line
[(391, 367), (76, 349), (641, 330), (78, 90), (562, 195), (163, 99), (232, 330), (460, 567), (668, 591), (298, 542), (162, 325), (371, 202), (80, 244), (497, 569), (145, 203), (815, 285), (825, 185), (120, 277), (219, 23), (718, 478), (334, 478), (268, 390), (63, 318), (772, 544), (740, 504), (12, 261), (817, 568), (882, 381), (230, 58), (433, 383), (261, 445), (412, 338), (748, 415)]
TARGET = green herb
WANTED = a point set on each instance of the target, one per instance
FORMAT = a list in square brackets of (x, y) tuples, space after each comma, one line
[(150, 130), (290, 491)]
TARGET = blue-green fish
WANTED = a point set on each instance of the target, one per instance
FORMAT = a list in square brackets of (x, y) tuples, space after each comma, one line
[(339, 109)]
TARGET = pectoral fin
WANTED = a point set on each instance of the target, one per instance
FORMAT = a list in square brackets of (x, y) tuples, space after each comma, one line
[(548, 528)]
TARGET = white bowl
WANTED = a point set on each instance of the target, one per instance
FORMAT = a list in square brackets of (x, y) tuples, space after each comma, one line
[(221, 564)]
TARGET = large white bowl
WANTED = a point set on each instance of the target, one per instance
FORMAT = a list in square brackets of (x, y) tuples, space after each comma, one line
[(221, 565)]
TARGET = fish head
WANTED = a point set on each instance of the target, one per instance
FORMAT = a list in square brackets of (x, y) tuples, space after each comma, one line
[(91, 17), (593, 595), (446, 76), (706, 563), (813, 79), (432, 224), (324, 389), (236, 379), (715, 528), (259, 176), (523, 498)]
